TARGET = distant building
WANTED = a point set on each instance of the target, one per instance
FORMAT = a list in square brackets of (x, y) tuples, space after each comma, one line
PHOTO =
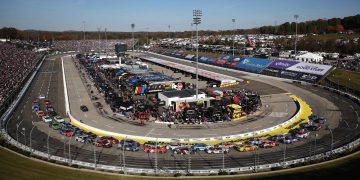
[(310, 57)]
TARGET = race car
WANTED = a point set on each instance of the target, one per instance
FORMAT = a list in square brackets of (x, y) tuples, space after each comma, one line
[(129, 145), (245, 148), (198, 147), (152, 149), (59, 119), (40, 113), (173, 146), (254, 141), (268, 144), (216, 150), (112, 140), (55, 125), (46, 119), (181, 150), (103, 143)]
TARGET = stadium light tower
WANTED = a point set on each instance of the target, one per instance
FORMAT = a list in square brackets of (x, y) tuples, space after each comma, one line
[(233, 39), (84, 28), (197, 20), (169, 35), (191, 40), (296, 17), (133, 42)]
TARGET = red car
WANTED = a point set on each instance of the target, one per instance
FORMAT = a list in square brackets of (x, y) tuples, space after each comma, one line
[(47, 102), (103, 143), (40, 114), (152, 149), (69, 133), (269, 144), (110, 139)]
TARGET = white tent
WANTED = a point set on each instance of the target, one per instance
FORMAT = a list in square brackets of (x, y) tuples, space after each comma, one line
[(310, 57)]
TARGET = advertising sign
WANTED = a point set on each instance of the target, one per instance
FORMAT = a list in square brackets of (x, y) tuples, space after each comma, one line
[(282, 64), (309, 77), (253, 64), (289, 74), (317, 69)]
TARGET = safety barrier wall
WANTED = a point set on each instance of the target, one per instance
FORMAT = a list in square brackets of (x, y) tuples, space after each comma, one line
[(16, 102), (319, 156)]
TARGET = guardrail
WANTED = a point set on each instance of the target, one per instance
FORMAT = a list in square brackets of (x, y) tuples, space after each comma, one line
[(261, 167)]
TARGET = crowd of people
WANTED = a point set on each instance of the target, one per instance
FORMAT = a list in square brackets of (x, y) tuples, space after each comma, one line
[(88, 45), (15, 65)]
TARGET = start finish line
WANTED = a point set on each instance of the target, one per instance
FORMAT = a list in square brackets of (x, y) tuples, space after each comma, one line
[(223, 79)]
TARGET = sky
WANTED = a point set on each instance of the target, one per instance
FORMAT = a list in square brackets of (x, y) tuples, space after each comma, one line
[(157, 15)]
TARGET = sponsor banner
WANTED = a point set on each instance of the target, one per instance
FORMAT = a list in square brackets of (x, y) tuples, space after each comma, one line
[(317, 69), (282, 64), (309, 77), (253, 64), (271, 70)]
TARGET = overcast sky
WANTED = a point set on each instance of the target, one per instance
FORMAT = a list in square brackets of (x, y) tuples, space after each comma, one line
[(156, 15)]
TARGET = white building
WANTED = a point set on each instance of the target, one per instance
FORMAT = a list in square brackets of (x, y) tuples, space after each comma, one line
[(310, 57)]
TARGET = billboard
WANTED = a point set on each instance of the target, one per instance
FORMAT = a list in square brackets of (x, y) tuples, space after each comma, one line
[(253, 64), (289, 74), (282, 64), (309, 77), (317, 69)]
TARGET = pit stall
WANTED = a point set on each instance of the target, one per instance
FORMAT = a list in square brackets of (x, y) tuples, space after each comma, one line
[(222, 79)]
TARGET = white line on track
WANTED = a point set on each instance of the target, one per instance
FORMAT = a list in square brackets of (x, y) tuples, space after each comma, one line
[(129, 130), (94, 121), (109, 125), (149, 132)]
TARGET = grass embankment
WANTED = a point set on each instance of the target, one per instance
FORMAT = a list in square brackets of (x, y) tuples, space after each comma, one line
[(14, 166), (341, 77)]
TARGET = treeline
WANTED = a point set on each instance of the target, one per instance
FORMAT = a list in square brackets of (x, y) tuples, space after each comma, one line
[(320, 26)]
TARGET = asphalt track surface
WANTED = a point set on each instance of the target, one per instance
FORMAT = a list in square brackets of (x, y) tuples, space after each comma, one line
[(49, 81), (276, 109)]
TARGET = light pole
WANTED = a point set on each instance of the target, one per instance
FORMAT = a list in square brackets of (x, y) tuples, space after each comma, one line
[(70, 148), (169, 36), (99, 40), (189, 157), (223, 153), (123, 151), (332, 138), (197, 20), (133, 42), (233, 39), (24, 131), (156, 162), (94, 153), (17, 130), (315, 148), (296, 17), (31, 150), (284, 154), (105, 43), (84, 29), (47, 144), (147, 36), (191, 40)]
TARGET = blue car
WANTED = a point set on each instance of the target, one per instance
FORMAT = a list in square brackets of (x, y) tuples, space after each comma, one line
[(198, 147), (129, 145)]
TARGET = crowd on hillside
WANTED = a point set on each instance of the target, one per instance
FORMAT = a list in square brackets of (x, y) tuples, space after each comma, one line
[(88, 45), (15, 65)]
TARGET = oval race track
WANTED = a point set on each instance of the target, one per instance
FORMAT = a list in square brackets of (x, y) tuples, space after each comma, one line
[(49, 82)]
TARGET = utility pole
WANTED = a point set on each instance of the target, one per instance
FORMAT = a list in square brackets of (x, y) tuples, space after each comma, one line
[(133, 41), (169, 36)]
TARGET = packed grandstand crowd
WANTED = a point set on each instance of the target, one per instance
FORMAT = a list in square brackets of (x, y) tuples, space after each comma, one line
[(88, 45), (16, 64)]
